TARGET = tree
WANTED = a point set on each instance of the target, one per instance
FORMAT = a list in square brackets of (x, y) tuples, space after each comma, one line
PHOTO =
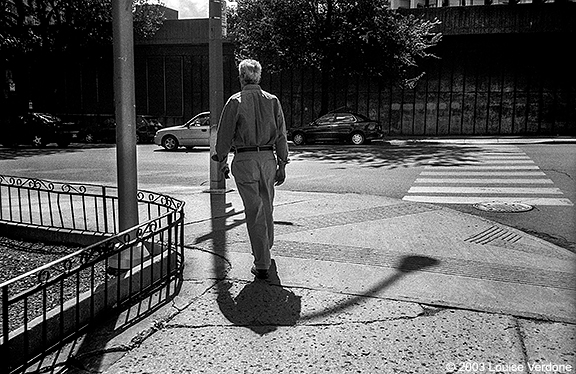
[(352, 36), (67, 25), (47, 32)]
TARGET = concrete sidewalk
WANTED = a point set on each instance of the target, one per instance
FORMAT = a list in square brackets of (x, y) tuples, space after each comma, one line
[(362, 284)]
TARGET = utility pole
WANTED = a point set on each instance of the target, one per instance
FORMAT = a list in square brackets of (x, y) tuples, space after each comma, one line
[(216, 83), (125, 111)]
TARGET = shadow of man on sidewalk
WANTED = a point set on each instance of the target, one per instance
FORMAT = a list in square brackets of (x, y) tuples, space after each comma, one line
[(260, 306)]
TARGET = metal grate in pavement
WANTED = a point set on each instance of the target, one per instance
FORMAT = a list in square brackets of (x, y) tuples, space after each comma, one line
[(493, 233)]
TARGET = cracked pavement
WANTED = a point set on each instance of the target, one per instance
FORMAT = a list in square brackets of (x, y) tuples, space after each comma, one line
[(259, 327), (360, 284)]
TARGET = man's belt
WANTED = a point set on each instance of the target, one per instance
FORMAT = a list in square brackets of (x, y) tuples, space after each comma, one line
[(255, 149)]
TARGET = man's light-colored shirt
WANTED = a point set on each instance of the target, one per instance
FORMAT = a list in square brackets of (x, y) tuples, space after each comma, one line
[(252, 117)]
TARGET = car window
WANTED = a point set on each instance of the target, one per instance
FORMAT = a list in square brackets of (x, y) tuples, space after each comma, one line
[(199, 121), (344, 118), (325, 118), (141, 121), (192, 122), (204, 121), (362, 118), (153, 121)]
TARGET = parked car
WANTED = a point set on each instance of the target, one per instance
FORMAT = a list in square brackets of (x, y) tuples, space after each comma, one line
[(337, 126), (195, 132), (37, 129), (98, 131), (146, 128), (105, 131)]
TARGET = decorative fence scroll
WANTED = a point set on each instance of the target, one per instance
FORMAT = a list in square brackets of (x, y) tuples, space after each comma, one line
[(43, 308)]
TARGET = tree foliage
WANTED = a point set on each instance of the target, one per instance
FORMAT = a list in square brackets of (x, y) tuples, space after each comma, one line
[(64, 25), (345, 36)]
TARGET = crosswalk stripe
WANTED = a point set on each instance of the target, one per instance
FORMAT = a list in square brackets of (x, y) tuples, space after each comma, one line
[(496, 162), (498, 155), (510, 158), (484, 173), (496, 152), (484, 190), (484, 167), (485, 176), (537, 201), (483, 181)]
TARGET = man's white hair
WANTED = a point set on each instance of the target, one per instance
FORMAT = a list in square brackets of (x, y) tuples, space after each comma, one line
[(249, 71)]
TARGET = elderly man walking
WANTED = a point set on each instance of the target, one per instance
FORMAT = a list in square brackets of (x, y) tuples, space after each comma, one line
[(252, 124)]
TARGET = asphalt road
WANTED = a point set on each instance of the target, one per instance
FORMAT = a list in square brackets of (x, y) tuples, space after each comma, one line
[(388, 169)]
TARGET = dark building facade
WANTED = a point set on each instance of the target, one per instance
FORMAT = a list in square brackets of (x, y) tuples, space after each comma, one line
[(502, 70)]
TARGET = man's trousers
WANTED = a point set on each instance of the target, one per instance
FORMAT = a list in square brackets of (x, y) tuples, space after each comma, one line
[(254, 173)]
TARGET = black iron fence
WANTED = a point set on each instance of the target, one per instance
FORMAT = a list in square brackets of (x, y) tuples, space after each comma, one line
[(43, 308)]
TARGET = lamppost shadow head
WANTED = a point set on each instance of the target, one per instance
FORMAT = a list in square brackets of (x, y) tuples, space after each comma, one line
[(416, 263)]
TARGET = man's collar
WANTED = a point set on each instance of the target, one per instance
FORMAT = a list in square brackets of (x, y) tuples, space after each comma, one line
[(251, 87)]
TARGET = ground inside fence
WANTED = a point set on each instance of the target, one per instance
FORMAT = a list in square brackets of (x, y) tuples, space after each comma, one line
[(19, 257)]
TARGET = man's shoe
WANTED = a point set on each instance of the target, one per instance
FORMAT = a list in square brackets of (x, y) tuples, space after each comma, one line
[(259, 273)]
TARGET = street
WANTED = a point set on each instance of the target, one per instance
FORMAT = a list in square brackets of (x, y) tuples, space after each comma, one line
[(358, 248), (453, 175)]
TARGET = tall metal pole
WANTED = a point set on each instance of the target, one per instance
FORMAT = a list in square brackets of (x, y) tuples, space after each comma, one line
[(216, 82), (125, 110)]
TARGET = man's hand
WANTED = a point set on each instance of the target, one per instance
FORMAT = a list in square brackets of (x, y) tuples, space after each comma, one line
[(225, 170), (280, 175)]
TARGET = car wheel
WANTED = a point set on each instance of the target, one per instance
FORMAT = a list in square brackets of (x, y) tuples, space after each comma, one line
[(89, 138), (170, 143), (38, 141), (298, 139), (357, 138)]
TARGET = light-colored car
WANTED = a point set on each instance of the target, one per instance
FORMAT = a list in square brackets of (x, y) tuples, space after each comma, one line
[(195, 132)]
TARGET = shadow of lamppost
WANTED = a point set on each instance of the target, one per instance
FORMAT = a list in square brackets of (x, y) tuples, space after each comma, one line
[(407, 265)]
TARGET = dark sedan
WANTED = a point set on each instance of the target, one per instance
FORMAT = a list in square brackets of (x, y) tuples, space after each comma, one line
[(338, 126), (105, 131), (38, 130)]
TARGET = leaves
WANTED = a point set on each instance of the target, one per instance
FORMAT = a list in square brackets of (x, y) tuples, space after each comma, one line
[(353, 36), (148, 18), (67, 25)]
